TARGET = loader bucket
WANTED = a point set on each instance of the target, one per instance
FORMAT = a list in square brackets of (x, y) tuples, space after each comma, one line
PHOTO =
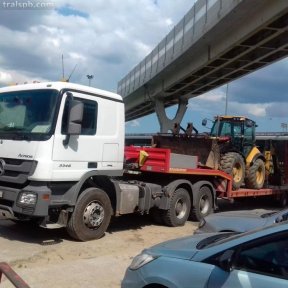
[(206, 149)]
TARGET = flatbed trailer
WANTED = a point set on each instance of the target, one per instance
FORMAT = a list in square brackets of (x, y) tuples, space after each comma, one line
[(157, 164)]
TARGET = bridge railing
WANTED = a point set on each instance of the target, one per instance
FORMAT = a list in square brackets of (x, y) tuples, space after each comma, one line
[(201, 17)]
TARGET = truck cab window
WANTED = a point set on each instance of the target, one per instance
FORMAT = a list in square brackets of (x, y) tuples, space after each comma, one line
[(89, 122), (29, 112)]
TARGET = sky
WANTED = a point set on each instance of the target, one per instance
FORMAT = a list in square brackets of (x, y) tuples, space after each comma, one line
[(106, 39)]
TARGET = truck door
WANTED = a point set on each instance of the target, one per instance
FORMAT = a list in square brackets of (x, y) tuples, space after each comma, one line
[(89, 150)]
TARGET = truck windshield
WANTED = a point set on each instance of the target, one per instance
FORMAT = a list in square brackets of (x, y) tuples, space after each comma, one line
[(28, 112)]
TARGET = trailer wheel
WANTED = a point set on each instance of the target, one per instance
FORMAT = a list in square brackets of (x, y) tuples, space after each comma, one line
[(256, 175), (179, 209), (232, 163), (203, 204), (91, 215)]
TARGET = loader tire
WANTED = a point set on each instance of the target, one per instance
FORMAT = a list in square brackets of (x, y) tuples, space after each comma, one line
[(255, 175), (232, 163), (91, 215)]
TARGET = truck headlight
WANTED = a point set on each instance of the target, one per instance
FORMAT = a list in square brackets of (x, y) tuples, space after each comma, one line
[(141, 260), (27, 198)]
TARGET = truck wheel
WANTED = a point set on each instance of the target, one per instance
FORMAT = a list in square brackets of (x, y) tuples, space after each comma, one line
[(203, 204), (232, 163), (91, 215), (179, 209), (255, 176)]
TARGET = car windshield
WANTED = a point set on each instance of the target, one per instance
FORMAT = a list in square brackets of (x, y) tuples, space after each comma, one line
[(27, 112)]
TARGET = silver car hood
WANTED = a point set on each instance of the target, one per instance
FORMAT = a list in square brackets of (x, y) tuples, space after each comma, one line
[(184, 248), (239, 221)]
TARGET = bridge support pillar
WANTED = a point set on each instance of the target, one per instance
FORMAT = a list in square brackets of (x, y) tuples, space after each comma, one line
[(167, 124)]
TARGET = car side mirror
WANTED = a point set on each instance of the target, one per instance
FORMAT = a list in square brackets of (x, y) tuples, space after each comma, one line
[(225, 260)]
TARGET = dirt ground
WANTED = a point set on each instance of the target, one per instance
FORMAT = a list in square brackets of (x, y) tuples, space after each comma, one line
[(49, 258)]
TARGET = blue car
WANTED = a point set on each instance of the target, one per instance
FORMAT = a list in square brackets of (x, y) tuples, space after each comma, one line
[(254, 259)]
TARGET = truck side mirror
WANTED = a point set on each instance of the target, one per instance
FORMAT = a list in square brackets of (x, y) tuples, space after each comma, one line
[(75, 117)]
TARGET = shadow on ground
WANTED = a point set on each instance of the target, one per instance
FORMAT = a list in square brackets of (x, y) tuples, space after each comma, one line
[(30, 233)]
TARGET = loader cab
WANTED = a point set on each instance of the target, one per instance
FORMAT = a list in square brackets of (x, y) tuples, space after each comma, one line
[(238, 132)]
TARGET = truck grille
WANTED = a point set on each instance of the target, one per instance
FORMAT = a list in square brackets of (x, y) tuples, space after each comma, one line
[(16, 171)]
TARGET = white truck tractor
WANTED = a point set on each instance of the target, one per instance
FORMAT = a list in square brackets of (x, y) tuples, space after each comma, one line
[(59, 142)]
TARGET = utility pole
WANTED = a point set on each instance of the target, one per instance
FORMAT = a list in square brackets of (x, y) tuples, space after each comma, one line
[(226, 103), (90, 77)]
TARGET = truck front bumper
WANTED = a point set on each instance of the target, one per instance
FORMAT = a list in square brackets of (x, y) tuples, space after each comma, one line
[(14, 203), (6, 213)]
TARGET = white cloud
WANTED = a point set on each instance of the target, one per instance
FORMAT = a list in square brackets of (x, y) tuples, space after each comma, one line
[(108, 41), (214, 102), (5, 77), (133, 123)]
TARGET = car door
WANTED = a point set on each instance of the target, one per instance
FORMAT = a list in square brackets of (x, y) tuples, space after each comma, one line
[(259, 264)]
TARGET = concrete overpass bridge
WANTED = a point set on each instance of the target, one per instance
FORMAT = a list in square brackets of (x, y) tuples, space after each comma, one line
[(216, 42)]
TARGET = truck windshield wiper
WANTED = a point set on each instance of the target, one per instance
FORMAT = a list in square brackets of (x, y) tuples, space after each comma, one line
[(21, 137), (14, 129)]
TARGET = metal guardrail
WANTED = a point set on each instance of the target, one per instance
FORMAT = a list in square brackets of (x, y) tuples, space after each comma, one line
[(12, 276)]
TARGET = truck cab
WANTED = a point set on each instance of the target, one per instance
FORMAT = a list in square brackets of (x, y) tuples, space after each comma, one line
[(54, 136)]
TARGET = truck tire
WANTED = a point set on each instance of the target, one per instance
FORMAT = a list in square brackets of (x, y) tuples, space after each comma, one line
[(232, 163), (91, 215), (255, 176), (203, 204), (179, 209)]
